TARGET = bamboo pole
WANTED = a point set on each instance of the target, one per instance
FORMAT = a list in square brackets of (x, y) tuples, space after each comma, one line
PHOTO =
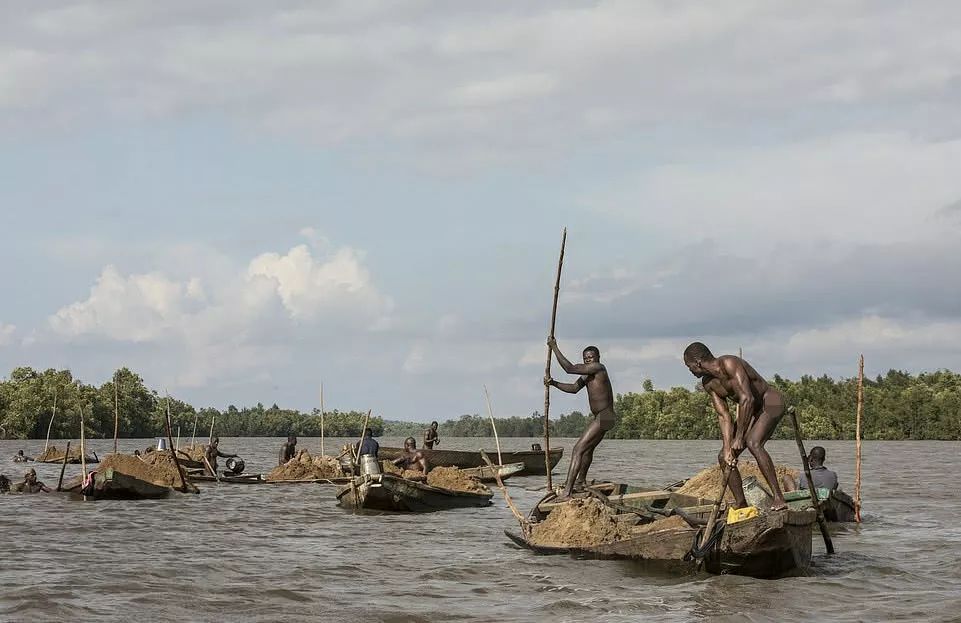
[(173, 453), (362, 429), (547, 368), (83, 447), (715, 511), (525, 525), (322, 453), (490, 413), (857, 443), (53, 415), (63, 467), (193, 435), (822, 522), (178, 437), (210, 437), (116, 413)]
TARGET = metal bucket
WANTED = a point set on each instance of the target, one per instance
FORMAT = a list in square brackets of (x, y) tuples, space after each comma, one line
[(161, 443), (235, 465), (756, 494), (369, 464)]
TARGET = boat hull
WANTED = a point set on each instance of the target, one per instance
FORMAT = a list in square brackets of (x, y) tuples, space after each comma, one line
[(533, 461), (387, 492)]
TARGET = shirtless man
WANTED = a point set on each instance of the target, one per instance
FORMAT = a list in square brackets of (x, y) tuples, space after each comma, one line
[(412, 458), (600, 397), (288, 450), (30, 484), (759, 409), (430, 436), (212, 452), (20, 457)]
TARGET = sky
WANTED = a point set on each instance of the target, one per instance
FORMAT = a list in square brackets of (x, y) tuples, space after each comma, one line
[(240, 200)]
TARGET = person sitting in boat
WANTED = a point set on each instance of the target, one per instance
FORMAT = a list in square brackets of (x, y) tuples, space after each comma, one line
[(211, 454), (430, 436), (412, 458), (823, 477), (20, 457), (30, 484), (760, 408), (600, 397), (368, 445), (288, 450)]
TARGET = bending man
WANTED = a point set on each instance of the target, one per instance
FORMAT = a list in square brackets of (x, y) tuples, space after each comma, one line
[(600, 397), (759, 409)]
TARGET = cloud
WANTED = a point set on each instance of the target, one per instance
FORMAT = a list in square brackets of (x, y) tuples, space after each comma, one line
[(6, 333), (218, 327)]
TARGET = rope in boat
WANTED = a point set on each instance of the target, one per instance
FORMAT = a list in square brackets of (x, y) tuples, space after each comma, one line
[(699, 552)]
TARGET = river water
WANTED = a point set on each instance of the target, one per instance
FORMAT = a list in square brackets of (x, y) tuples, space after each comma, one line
[(272, 553)]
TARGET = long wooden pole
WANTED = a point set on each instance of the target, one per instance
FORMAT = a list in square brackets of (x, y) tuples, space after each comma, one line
[(116, 413), (490, 413), (822, 522), (715, 511), (173, 453), (193, 435), (53, 415), (547, 368), (857, 443), (83, 447), (63, 467), (322, 453), (362, 429), (210, 437)]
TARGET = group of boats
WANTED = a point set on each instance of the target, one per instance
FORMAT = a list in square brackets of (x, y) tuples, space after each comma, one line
[(766, 545)]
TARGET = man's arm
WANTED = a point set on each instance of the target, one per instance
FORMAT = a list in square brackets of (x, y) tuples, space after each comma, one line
[(225, 456), (570, 388), (573, 368), (282, 457), (724, 423), (745, 404), (45, 488)]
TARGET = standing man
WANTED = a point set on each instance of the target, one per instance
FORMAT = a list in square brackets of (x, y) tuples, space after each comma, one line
[(600, 397), (287, 450), (368, 445), (430, 436), (212, 452), (759, 409)]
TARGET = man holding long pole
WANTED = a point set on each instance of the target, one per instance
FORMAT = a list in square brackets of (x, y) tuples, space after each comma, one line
[(600, 397)]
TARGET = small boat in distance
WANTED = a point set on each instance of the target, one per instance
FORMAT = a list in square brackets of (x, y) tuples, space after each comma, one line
[(389, 492)]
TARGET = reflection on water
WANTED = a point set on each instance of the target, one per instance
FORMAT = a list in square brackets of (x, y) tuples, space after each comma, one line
[(265, 553)]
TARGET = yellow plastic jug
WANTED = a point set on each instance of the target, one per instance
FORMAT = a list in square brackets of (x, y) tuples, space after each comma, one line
[(735, 515)]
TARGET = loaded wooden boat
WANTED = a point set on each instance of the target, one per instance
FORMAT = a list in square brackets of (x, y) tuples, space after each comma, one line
[(769, 545), (246, 479), (836, 505), (110, 484), (389, 492), (533, 460)]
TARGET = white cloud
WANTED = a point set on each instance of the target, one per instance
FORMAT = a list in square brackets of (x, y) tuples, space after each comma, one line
[(6, 333), (875, 334)]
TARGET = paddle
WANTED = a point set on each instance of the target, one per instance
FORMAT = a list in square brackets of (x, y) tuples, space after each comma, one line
[(547, 368), (822, 523)]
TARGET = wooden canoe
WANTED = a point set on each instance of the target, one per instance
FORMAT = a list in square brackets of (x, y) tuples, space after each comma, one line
[(249, 479), (836, 505), (388, 492), (769, 545), (109, 484), (486, 474), (533, 460)]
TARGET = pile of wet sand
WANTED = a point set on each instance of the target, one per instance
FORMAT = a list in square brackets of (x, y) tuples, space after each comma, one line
[(389, 468), (53, 453), (579, 523), (305, 467), (705, 483), (674, 522), (455, 480), (162, 473)]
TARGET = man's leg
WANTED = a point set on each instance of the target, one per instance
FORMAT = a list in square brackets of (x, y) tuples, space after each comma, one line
[(757, 436), (585, 445)]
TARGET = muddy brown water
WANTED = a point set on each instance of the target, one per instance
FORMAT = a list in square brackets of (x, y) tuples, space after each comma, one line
[(288, 552)]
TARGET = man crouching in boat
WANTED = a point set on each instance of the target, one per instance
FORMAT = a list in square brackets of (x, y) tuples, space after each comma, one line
[(412, 458), (759, 409), (600, 397)]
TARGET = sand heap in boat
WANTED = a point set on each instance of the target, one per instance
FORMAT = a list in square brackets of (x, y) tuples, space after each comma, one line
[(306, 467), (196, 452), (53, 453), (580, 523), (455, 480), (388, 467), (706, 482), (674, 522), (163, 473)]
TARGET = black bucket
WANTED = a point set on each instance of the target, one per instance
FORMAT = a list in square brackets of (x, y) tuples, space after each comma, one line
[(235, 465)]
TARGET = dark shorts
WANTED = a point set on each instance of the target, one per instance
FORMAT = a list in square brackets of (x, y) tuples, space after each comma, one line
[(606, 418)]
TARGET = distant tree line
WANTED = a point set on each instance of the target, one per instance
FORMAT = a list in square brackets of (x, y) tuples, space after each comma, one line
[(897, 405)]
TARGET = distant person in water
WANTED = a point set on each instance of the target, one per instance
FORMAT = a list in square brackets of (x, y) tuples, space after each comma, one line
[(368, 445), (760, 408), (412, 458), (823, 477), (430, 436), (600, 397), (212, 452), (20, 457), (30, 484), (288, 450)]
